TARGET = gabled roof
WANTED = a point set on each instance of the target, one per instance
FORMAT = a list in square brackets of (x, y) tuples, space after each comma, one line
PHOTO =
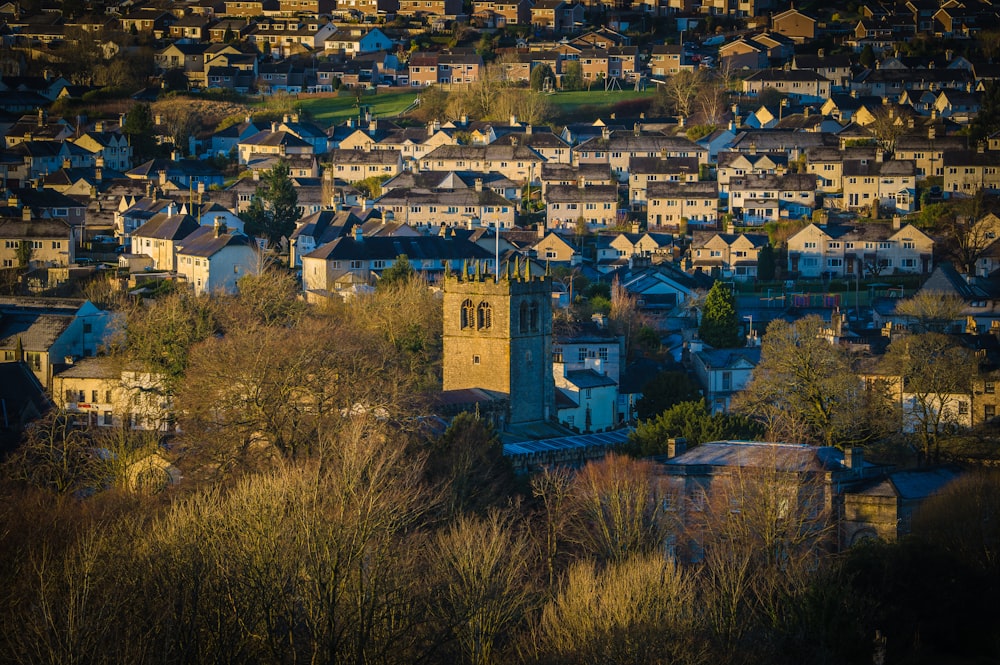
[(347, 248), (165, 226), (208, 244), (325, 226), (945, 279), (796, 75), (914, 484), (571, 193), (492, 152), (278, 138), (671, 189)]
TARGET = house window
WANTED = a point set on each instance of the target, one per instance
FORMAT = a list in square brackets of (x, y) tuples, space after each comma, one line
[(727, 380), (475, 360), (989, 411), (963, 408), (581, 354), (989, 387)]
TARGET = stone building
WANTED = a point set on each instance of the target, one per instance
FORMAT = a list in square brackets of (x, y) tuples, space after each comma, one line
[(498, 338)]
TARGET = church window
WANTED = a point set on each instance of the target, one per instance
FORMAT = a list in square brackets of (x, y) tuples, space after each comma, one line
[(523, 317), (475, 360), (468, 314), (485, 316), (534, 316)]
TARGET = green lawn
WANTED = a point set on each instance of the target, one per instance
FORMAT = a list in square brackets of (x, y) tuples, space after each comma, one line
[(334, 109), (330, 110), (570, 101)]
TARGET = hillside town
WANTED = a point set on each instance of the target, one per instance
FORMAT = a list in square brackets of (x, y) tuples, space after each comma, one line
[(510, 309)]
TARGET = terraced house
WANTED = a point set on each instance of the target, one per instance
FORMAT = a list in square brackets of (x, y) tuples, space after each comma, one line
[(518, 162), (596, 205), (760, 198), (672, 204), (467, 207), (617, 148)]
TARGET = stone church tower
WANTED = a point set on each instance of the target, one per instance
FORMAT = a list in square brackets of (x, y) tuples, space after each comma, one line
[(498, 336)]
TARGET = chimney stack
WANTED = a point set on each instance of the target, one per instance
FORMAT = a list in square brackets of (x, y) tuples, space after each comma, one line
[(479, 184), (26, 214), (854, 460), (358, 233), (676, 446)]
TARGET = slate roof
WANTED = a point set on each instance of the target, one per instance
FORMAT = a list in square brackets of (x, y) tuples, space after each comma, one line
[(208, 244), (662, 166), (165, 226), (670, 189), (573, 193), (457, 197), (787, 457), (492, 152), (588, 378), (325, 226), (723, 358), (347, 248), (37, 228), (914, 484), (278, 138), (38, 331)]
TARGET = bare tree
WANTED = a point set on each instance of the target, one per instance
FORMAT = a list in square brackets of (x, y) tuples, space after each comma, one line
[(887, 126), (616, 510), (482, 565), (932, 311), (935, 375), (680, 91), (553, 487), (640, 610), (804, 389), (761, 530)]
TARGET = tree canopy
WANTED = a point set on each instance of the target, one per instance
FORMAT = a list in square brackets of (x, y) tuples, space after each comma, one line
[(274, 207), (804, 389), (720, 326)]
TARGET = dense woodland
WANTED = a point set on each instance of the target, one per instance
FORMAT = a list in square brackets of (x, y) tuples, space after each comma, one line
[(321, 519)]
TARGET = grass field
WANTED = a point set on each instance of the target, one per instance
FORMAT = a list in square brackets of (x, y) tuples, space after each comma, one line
[(329, 110), (570, 101), (568, 105)]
